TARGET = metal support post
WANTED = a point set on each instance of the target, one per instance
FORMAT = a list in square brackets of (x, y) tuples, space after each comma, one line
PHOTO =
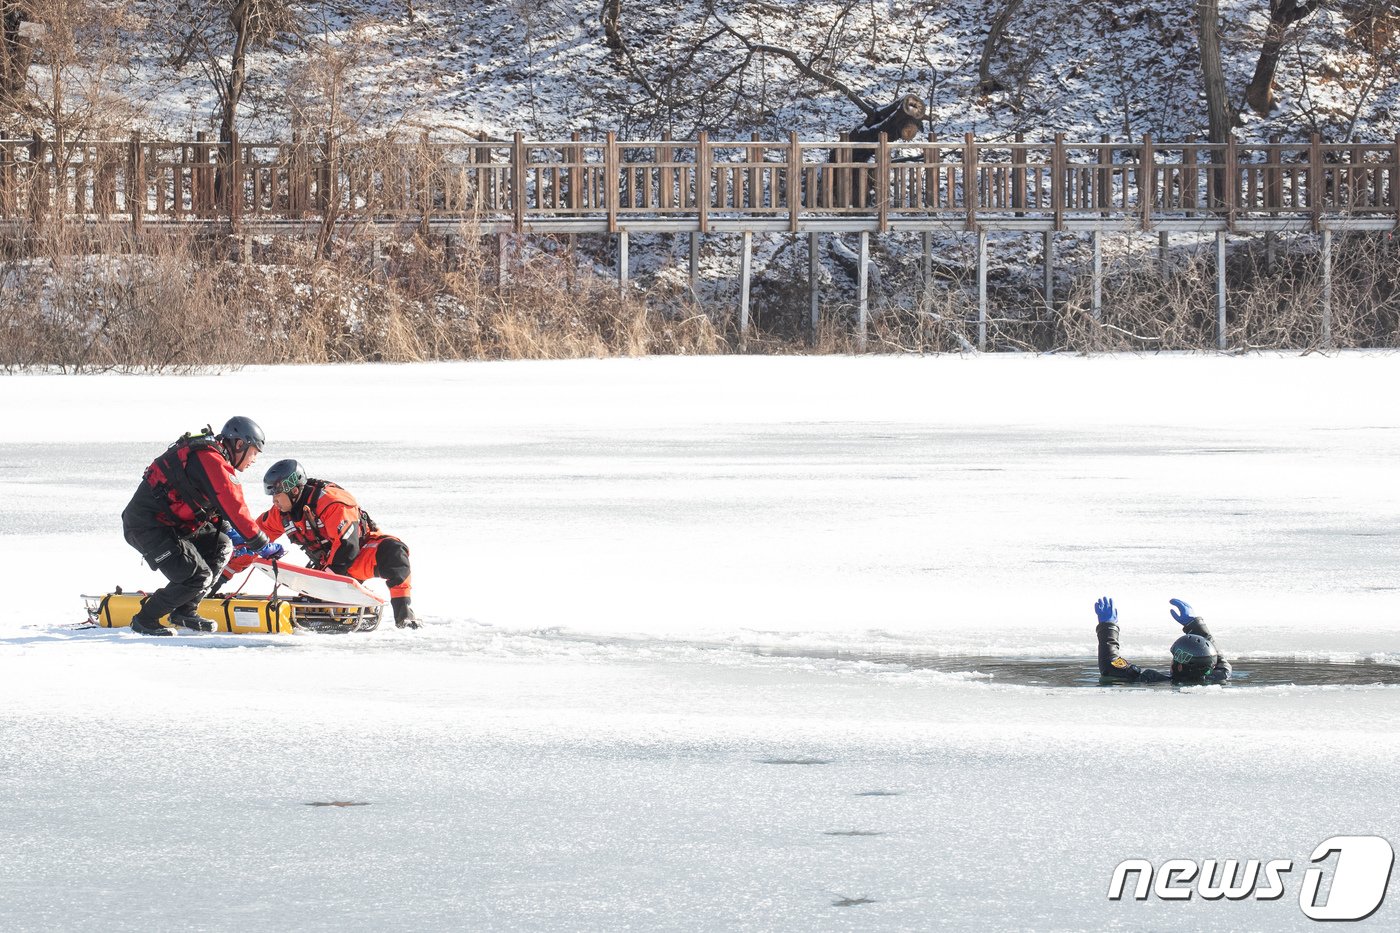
[(981, 290), (863, 322)]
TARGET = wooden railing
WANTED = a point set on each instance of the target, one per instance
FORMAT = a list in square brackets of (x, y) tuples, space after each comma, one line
[(520, 184)]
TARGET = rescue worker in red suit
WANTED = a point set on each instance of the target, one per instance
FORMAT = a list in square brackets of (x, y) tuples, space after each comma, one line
[(179, 519), (336, 534)]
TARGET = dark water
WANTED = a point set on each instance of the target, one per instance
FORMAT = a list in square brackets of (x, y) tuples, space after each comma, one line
[(1082, 672)]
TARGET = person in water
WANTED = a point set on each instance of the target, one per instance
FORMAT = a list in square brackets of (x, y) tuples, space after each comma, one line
[(1195, 658)]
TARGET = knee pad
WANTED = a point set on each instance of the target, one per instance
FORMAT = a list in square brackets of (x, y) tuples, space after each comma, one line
[(391, 561)]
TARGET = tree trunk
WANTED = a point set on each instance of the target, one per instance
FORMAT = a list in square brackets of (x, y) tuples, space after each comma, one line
[(612, 33), (14, 53), (986, 81), (1218, 109), (241, 18), (1282, 14)]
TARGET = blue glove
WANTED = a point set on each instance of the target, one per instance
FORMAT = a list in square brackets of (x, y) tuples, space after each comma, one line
[(1105, 611), (242, 551), (234, 536), (1185, 616), (272, 552)]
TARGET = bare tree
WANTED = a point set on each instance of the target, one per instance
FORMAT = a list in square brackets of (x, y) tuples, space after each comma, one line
[(15, 50), (68, 89), (220, 34), (1282, 15)]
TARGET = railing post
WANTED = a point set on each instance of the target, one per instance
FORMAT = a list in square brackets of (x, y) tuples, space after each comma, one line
[(1273, 183), (843, 173), (1103, 183), (1018, 174), (7, 181), (794, 181), (610, 179), (971, 187), (702, 180), (38, 179), (325, 172), (518, 158), (1315, 181), (573, 198), (1355, 177), (235, 175), (1190, 177), (198, 174), (755, 175), (59, 157), (1395, 181), (1232, 180), (136, 182), (932, 154), (882, 182), (663, 172), (1057, 179), (1147, 187)]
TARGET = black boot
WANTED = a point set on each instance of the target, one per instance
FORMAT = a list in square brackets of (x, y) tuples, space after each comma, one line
[(187, 617), (403, 615), (143, 626)]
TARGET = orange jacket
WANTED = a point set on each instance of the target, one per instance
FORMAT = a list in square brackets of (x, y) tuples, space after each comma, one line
[(326, 522)]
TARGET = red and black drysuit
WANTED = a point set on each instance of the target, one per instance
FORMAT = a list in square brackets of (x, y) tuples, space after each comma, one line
[(327, 523), (176, 519), (1114, 667)]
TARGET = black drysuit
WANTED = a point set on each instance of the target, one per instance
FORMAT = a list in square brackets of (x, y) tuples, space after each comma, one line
[(1115, 667), (175, 516)]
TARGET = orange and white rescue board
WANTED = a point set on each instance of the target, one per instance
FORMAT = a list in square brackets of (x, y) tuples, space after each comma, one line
[(319, 584)]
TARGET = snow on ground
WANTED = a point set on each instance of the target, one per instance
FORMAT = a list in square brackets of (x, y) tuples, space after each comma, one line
[(648, 693)]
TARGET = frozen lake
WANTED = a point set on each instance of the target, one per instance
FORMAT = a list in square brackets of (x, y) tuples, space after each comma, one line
[(718, 643)]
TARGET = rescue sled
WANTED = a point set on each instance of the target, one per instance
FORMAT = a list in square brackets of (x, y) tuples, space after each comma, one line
[(324, 602)]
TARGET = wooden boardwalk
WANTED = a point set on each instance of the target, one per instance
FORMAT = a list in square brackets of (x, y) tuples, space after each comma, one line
[(711, 186)]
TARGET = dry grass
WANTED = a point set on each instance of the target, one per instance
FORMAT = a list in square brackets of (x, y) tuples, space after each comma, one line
[(79, 299), (1274, 300), (76, 298)]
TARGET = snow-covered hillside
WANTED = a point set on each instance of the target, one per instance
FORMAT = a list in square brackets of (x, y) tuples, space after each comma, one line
[(496, 66)]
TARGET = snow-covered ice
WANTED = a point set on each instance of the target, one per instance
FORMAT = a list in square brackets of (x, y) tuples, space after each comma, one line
[(661, 684)]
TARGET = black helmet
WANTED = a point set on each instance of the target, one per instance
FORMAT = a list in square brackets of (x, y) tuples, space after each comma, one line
[(283, 476), (1192, 658), (239, 428)]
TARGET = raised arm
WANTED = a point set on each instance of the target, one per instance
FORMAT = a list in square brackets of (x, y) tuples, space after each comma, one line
[(1112, 665), (1192, 624)]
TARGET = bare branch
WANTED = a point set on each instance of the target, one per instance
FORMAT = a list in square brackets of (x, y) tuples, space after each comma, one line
[(829, 80)]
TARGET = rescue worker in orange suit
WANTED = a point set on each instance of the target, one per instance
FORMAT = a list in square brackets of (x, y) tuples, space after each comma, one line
[(336, 534), (179, 519)]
